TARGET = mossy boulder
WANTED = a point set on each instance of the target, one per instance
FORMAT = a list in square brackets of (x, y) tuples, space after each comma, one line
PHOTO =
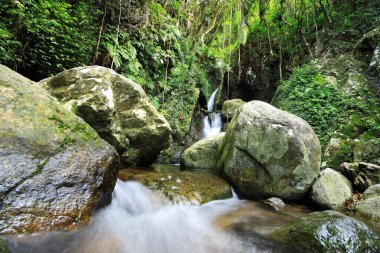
[(268, 152), (54, 168), (330, 232), (184, 186), (331, 190), (230, 107), (117, 108), (202, 154), (369, 208)]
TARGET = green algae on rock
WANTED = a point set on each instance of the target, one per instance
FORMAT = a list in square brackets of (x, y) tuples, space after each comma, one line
[(183, 186), (47, 156), (330, 232), (230, 107)]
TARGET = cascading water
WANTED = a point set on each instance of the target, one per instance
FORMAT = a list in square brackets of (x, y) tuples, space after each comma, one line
[(212, 123), (139, 221)]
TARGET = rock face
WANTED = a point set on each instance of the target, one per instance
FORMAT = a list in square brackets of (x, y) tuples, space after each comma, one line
[(117, 108), (330, 232), (369, 208), (363, 175), (230, 107), (54, 168), (331, 190), (269, 152), (202, 154), (184, 186)]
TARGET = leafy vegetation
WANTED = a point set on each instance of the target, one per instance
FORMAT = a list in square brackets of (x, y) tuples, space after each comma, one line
[(348, 107)]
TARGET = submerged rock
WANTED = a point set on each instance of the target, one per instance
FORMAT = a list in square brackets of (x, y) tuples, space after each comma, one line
[(230, 107), (202, 154), (363, 175), (183, 186), (269, 152), (330, 232), (331, 190), (117, 108), (276, 203), (54, 169)]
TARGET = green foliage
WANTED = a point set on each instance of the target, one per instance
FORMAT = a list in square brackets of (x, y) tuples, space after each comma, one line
[(327, 107), (46, 36)]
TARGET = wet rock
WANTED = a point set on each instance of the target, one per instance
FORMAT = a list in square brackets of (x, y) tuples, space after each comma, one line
[(276, 203), (230, 107), (183, 186), (331, 190), (363, 175), (369, 208), (117, 108), (269, 152), (54, 169), (202, 154), (330, 231), (3, 248)]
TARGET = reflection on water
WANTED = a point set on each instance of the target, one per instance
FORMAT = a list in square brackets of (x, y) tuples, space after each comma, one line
[(138, 221)]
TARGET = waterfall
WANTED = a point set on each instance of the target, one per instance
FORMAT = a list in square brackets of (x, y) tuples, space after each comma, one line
[(212, 123)]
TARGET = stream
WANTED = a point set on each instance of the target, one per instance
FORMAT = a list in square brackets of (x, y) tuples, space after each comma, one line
[(139, 220)]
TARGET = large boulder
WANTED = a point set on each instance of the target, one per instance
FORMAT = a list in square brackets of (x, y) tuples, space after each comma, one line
[(331, 190), (230, 107), (54, 169), (269, 152), (202, 154), (369, 207), (330, 232), (184, 186), (117, 108)]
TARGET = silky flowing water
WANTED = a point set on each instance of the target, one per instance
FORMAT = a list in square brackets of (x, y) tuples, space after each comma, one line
[(139, 220)]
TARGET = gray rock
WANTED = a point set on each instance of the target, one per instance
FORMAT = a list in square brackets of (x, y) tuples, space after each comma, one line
[(363, 175), (331, 190), (372, 191), (276, 203), (117, 108), (369, 208), (330, 232), (269, 152), (202, 154), (54, 169)]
